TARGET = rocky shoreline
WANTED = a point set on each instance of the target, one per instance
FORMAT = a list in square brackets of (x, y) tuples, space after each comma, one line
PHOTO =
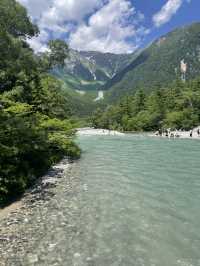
[(101, 132), (22, 229), (191, 134)]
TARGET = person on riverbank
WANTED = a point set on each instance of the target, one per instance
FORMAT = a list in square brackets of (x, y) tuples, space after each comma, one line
[(169, 132), (191, 133), (166, 133), (160, 132), (198, 132)]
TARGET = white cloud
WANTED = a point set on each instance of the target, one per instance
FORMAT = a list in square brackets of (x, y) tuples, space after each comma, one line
[(167, 12), (109, 28), (57, 16), (63, 11), (103, 25), (39, 44)]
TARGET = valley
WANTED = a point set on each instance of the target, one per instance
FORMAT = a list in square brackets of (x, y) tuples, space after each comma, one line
[(119, 74), (88, 72), (99, 133)]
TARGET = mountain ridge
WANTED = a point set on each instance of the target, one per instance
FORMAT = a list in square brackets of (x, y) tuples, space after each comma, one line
[(90, 70), (162, 56), (154, 66)]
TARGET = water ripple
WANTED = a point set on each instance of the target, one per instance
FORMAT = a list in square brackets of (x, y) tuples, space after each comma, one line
[(146, 195)]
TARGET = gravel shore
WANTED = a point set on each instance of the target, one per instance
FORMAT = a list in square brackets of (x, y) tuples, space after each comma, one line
[(101, 132), (37, 224)]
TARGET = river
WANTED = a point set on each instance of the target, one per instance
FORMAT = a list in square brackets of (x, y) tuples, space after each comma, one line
[(134, 201)]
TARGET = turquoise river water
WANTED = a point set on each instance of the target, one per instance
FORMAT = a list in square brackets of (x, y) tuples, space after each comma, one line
[(141, 200), (130, 200)]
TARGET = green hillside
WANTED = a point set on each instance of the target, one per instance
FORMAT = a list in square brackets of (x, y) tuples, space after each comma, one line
[(89, 71), (81, 105), (176, 106), (108, 63), (159, 64)]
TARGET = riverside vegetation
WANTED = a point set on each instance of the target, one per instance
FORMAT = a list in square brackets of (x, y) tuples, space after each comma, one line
[(176, 107), (35, 126), (39, 112)]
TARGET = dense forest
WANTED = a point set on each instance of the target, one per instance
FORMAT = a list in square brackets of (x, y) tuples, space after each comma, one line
[(35, 126), (177, 106)]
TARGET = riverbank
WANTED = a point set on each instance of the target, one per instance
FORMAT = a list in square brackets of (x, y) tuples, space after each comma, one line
[(19, 222), (106, 132), (8, 209), (110, 206), (44, 183), (180, 134), (41, 187), (93, 131)]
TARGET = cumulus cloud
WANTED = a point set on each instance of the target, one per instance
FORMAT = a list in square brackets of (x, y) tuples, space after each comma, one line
[(60, 10), (63, 10), (57, 17), (167, 12), (109, 29), (39, 44), (103, 25)]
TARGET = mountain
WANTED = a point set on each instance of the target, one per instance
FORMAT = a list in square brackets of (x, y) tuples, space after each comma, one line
[(88, 71), (159, 63)]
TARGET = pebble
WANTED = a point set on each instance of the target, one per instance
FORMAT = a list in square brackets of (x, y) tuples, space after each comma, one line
[(38, 223), (77, 255), (32, 258), (89, 259), (52, 246), (85, 187)]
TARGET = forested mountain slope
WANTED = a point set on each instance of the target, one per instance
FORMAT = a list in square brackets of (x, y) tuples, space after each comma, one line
[(159, 64), (91, 70), (176, 106)]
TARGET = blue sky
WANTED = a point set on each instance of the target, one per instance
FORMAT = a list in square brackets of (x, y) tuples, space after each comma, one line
[(117, 26), (186, 14)]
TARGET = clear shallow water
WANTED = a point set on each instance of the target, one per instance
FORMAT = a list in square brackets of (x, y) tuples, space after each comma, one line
[(140, 201), (129, 201)]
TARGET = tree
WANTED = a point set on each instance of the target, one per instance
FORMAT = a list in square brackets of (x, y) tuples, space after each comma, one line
[(35, 126), (176, 107), (14, 20), (139, 101), (58, 53)]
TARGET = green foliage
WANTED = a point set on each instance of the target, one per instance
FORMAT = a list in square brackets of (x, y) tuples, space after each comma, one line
[(30, 142), (175, 107), (15, 21), (58, 52), (35, 126)]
